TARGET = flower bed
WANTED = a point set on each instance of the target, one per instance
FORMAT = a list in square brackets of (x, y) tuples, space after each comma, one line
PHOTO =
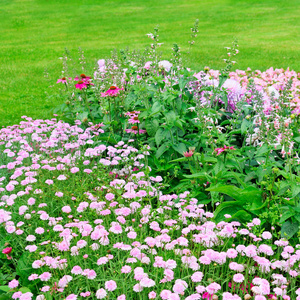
[(80, 219)]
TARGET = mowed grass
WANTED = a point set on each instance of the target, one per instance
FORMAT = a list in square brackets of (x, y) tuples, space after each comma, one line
[(34, 34)]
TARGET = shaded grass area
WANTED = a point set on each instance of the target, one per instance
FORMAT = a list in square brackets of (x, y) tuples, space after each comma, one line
[(35, 32)]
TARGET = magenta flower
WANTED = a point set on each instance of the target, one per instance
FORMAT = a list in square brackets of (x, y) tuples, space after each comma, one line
[(112, 91), (81, 85), (220, 150), (7, 250)]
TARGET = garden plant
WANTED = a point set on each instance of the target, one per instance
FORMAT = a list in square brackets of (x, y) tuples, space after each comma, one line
[(155, 181)]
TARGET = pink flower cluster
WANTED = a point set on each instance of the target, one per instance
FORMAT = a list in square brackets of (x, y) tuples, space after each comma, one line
[(111, 233)]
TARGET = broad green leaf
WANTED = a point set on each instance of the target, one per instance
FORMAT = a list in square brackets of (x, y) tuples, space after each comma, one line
[(295, 189), (82, 116), (242, 216), (156, 108), (151, 126), (243, 195), (245, 125), (170, 117), (161, 150), (262, 150), (286, 215), (228, 207), (24, 268), (180, 148), (5, 288), (288, 229), (218, 167), (160, 135)]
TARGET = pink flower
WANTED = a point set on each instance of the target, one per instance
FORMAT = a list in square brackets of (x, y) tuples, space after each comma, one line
[(13, 284), (165, 294), (126, 269), (110, 285), (213, 288), (45, 276), (16, 295), (238, 278), (197, 276), (62, 80), (39, 230), (83, 83), (112, 91), (121, 297), (71, 297), (225, 148), (152, 295), (109, 196), (101, 293), (266, 235), (74, 170), (188, 153), (76, 270), (66, 209)]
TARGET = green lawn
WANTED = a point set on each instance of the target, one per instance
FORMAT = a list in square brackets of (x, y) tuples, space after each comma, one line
[(34, 34)]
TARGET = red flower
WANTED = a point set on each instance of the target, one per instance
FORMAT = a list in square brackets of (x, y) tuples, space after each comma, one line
[(7, 250)]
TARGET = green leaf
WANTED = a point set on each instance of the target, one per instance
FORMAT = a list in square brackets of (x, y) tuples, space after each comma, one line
[(5, 288), (179, 159), (24, 268), (283, 189), (288, 229), (245, 125), (242, 195), (160, 135), (180, 148), (170, 117), (262, 150), (156, 108), (182, 82), (286, 215), (178, 123), (295, 189), (196, 175), (151, 126), (242, 215), (161, 150), (228, 207), (82, 116), (24, 290), (219, 167)]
